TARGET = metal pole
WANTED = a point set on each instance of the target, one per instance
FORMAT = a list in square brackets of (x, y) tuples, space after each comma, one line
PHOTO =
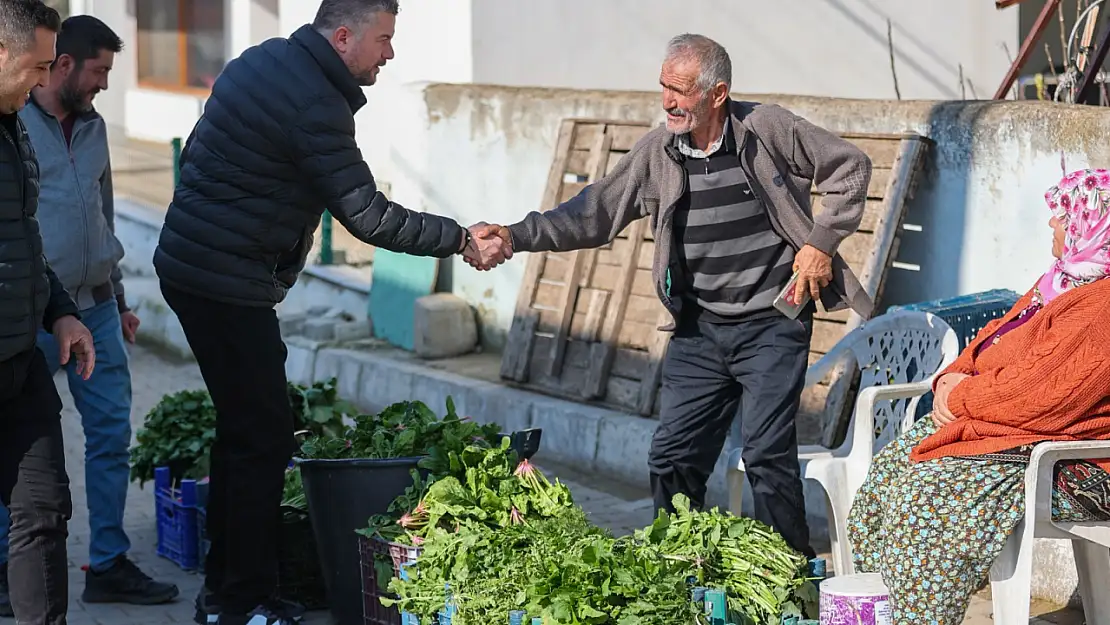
[(1095, 65), (176, 143), (1026, 48), (326, 257)]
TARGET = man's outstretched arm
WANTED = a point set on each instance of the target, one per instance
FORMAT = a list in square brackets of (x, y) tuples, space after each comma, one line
[(329, 157), (590, 219)]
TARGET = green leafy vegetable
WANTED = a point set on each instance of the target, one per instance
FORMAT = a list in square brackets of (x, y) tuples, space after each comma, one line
[(178, 433), (404, 430), (559, 566)]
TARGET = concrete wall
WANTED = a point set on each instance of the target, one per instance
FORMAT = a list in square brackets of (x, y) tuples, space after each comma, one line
[(837, 48), (978, 221)]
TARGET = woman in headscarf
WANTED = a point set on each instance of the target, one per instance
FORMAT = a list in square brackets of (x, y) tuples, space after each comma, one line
[(940, 502)]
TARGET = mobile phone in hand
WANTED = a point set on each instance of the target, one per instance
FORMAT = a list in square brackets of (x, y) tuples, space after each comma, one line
[(790, 303)]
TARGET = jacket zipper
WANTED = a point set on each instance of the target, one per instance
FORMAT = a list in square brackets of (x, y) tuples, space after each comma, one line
[(664, 226), (26, 223), (84, 274)]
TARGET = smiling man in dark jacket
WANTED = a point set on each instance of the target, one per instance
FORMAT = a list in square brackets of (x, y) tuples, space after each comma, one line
[(275, 146), (33, 481)]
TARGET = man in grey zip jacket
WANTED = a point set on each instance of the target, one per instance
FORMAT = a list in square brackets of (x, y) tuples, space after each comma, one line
[(726, 186), (76, 217)]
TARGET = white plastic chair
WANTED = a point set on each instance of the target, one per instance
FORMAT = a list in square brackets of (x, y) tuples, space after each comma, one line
[(898, 355), (1012, 571)]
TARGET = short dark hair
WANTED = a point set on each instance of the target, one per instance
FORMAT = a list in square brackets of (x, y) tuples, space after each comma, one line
[(84, 37), (20, 18), (336, 13)]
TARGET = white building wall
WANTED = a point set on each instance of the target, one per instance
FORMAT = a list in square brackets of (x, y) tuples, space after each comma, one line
[(835, 48)]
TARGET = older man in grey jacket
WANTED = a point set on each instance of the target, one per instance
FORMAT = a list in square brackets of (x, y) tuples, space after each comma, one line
[(726, 185), (77, 221)]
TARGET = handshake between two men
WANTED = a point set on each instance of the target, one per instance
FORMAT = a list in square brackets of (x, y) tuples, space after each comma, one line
[(488, 246)]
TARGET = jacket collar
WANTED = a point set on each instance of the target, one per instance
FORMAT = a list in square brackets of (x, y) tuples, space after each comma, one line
[(328, 60), (33, 105)]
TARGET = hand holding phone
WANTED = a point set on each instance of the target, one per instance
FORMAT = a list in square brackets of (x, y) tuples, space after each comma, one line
[(791, 300)]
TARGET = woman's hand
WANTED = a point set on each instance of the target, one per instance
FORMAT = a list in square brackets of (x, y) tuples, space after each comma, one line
[(942, 416)]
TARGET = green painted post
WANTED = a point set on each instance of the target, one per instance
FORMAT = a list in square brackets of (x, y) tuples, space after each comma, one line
[(326, 257), (176, 143)]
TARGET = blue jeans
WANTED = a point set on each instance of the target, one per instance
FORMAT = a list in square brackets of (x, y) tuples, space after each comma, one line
[(104, 401)]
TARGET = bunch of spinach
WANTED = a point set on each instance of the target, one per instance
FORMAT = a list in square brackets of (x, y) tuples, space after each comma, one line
[(319, 409), (178, 432), (403, 430), (483, 486)]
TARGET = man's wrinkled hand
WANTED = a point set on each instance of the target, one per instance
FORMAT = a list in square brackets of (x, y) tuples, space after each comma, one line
[(74, 339), (942, 415), (490, 245), (814, 269), (130, 324)]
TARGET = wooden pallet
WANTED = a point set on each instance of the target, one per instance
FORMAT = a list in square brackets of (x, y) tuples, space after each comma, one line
[(585, 323)]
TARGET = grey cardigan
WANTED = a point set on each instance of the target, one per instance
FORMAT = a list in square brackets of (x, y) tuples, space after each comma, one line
[(783, 156)]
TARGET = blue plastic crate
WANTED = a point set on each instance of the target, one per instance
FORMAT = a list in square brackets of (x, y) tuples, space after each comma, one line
[(967, 315), (177, 513)]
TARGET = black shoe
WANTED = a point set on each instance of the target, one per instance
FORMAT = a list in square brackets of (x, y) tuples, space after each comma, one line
[(262, 615), (5, 600), (125, 583), (208, 608)]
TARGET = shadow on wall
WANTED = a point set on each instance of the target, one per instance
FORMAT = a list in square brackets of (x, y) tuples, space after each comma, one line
[(927, 265), (942, 85)]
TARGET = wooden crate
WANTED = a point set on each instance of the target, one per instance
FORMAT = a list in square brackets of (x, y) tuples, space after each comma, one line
[(586, 322)]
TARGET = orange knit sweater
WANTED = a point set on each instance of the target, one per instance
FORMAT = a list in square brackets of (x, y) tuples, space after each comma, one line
[(1048, 379)]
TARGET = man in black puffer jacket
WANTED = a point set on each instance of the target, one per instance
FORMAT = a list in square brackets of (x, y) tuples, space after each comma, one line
[(33, 481), (274, 147)]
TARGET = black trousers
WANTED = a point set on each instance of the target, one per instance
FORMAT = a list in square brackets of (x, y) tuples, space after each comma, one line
[(242, 359), (714, 371), (35, 488)]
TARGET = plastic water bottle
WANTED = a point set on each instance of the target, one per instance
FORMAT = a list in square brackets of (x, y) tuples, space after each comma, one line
[(516, 617)]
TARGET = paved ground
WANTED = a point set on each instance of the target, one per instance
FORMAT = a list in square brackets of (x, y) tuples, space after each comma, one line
[(612, 505)]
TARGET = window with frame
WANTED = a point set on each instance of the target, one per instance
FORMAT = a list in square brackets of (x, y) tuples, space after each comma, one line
[(181, 43)]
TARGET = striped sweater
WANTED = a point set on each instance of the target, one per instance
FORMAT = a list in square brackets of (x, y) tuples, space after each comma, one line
[(734, 263)]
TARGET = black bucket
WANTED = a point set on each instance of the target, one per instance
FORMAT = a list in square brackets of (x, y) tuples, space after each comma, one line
[(342, 496)]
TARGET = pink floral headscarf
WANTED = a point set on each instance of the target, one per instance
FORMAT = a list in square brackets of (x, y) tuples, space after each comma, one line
[(1081, 201)]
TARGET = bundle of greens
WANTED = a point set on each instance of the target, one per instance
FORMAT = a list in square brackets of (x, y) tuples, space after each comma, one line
[(764, 577), (178, 434), (478, 483), (179, 431), (564, 569), (404, 430), (482, 486), (319, 409)]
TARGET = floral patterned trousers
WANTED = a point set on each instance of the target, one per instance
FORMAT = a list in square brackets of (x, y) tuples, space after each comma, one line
[(933, 529)]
